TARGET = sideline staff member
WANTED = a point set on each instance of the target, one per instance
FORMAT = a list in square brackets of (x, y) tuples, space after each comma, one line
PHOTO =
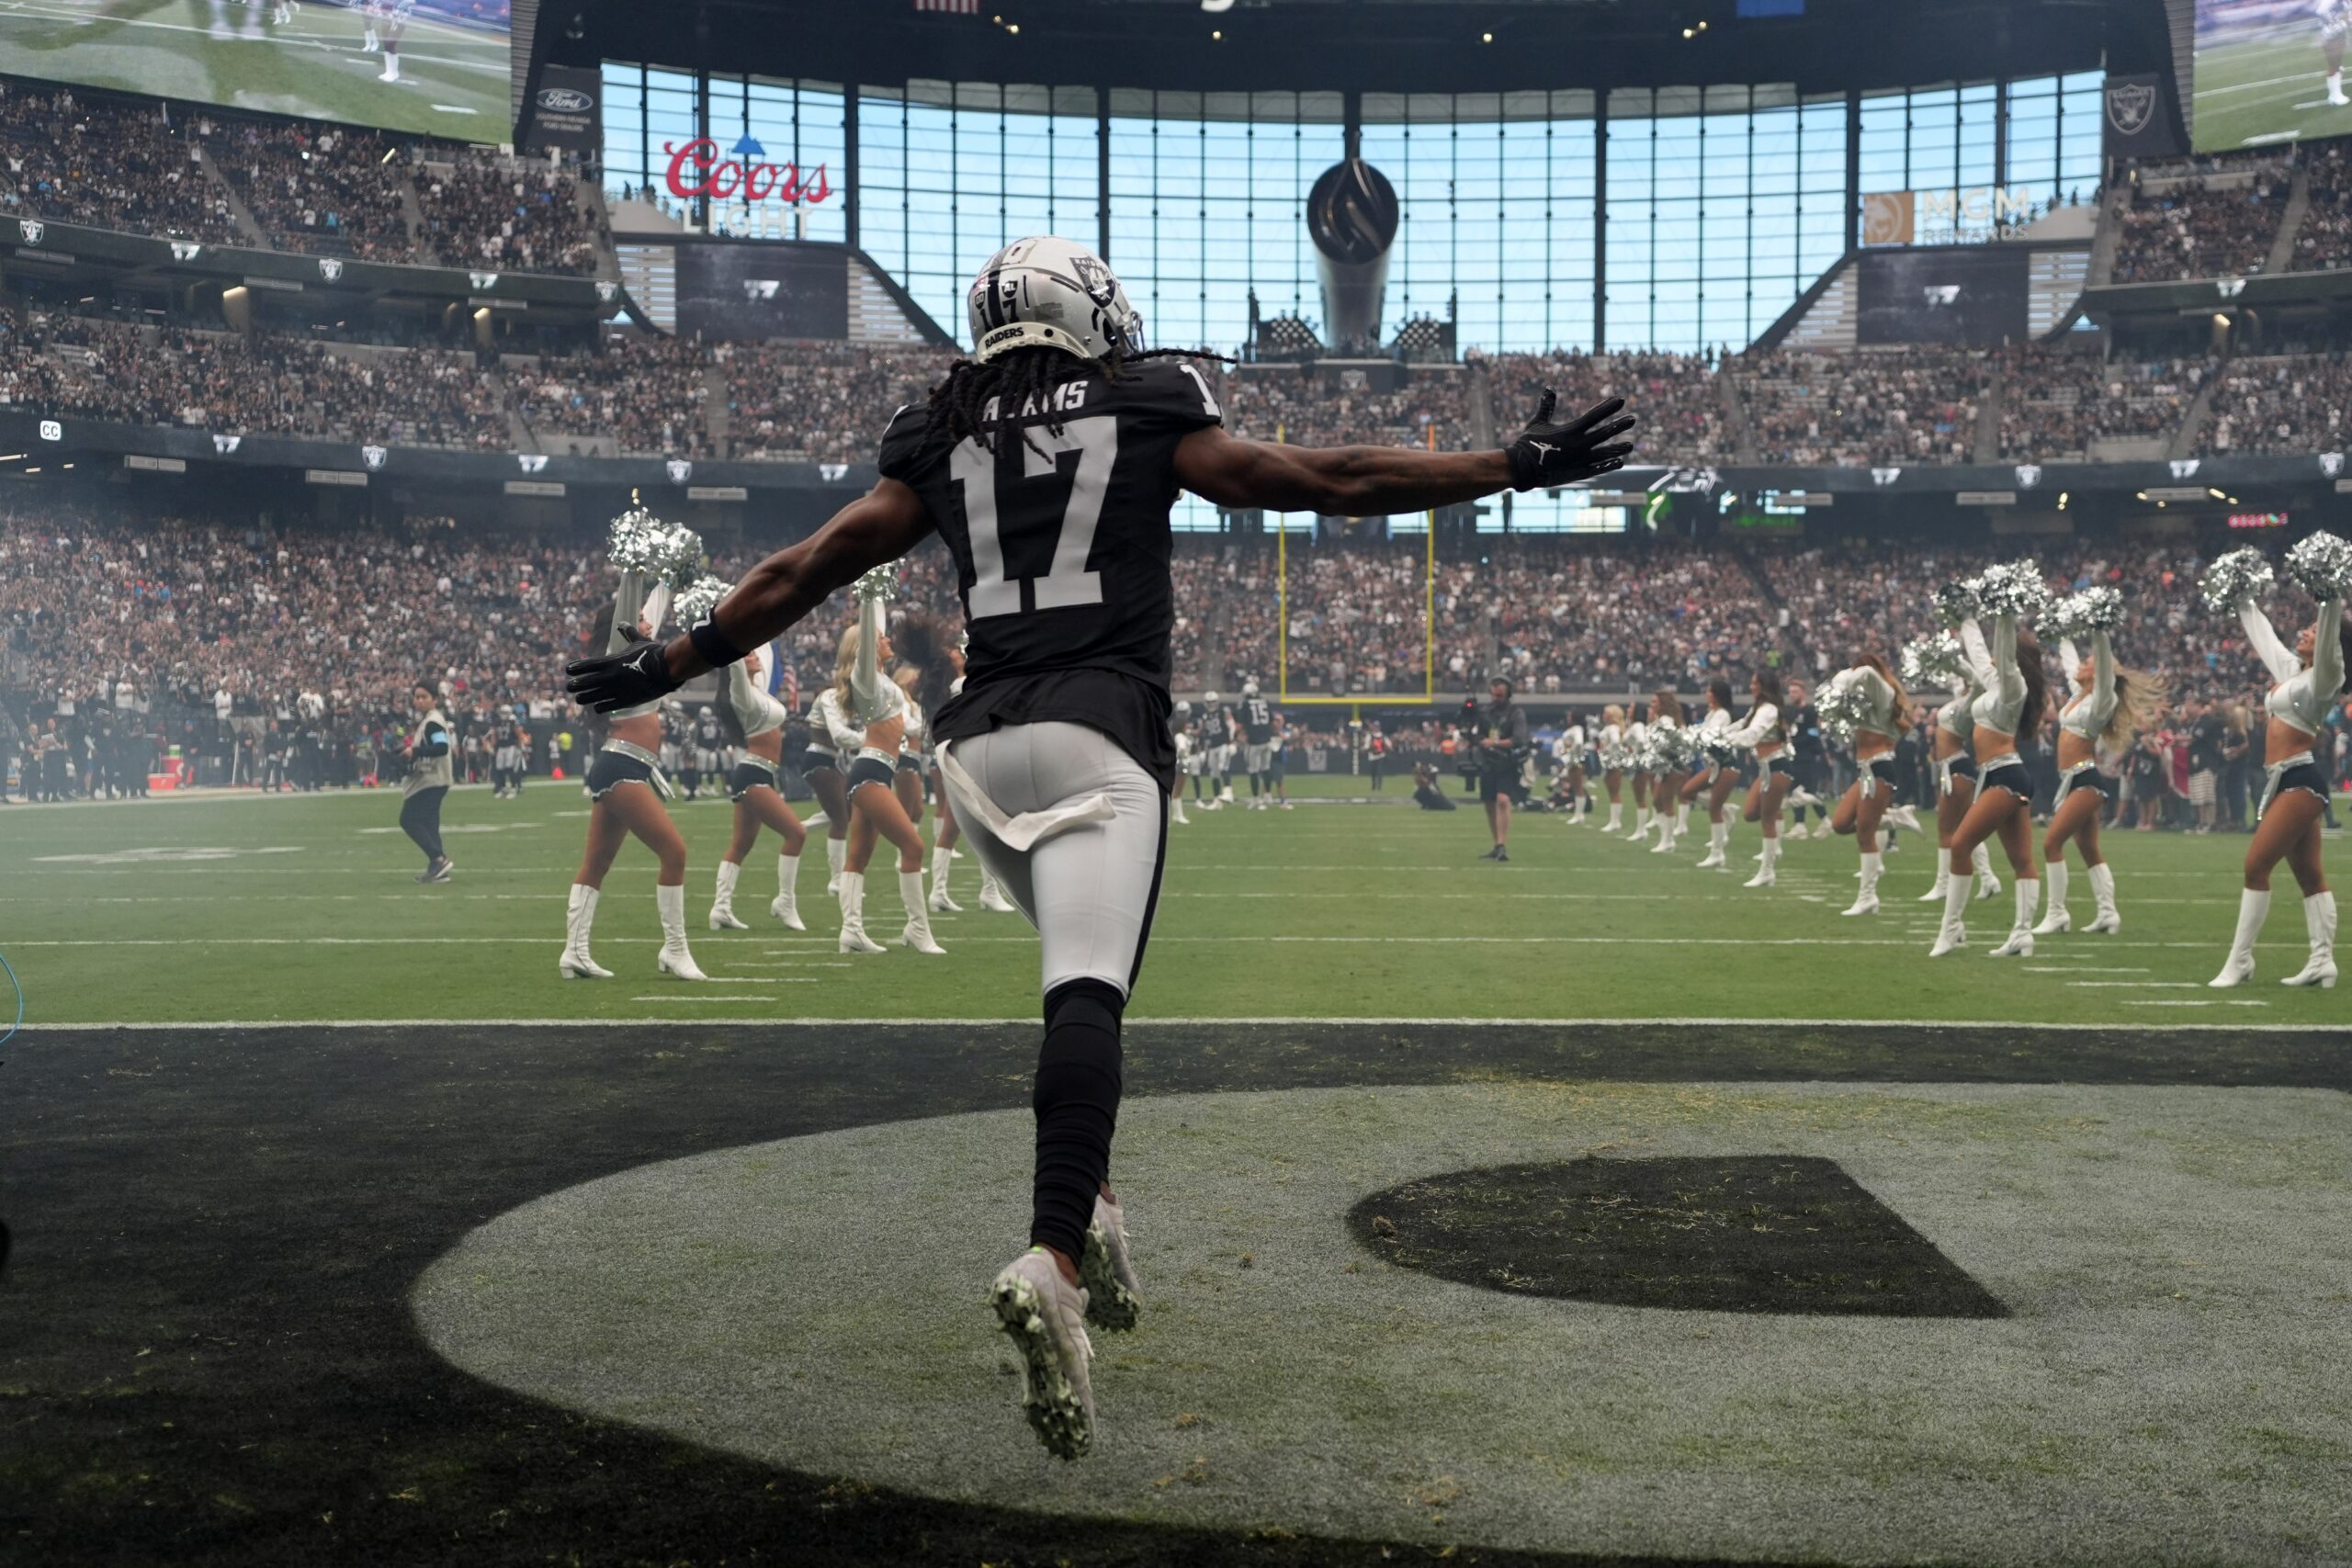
[(1501, 752), (429, 777)]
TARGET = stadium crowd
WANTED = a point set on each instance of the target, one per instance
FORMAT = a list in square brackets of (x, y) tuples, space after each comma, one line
[(1871, 408), (819, 402), (2054, 406), (2281, 407), (2325, 242), (2220, 223)]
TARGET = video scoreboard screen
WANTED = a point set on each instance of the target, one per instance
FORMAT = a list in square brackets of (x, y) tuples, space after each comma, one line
[(2268, 72)]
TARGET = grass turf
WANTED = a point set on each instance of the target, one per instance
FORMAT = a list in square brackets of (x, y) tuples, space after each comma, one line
[(453, 80), (303, 907)]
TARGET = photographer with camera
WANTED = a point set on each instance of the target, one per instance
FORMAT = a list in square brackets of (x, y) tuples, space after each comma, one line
[(1500, 750)]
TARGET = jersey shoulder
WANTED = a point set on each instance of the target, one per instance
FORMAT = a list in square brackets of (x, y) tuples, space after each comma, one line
[(1180, 391), (904, 442)]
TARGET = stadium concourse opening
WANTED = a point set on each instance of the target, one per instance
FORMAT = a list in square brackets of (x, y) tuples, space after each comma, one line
[(737, 749)]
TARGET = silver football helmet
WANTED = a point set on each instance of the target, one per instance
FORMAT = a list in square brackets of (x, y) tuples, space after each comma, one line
[(1047, 292)]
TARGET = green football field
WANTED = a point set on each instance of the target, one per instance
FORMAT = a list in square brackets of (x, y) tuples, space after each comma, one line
[(302, 908), (453, 80), (2264, 86)]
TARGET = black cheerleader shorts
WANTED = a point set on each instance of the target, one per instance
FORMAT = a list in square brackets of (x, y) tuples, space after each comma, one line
[(1963, 767), (1882, 770), (2010, 776), (815, 760), (869, 770), (747, 777), (1778, 767), (2304, 776), (2106, 785), (612, 769)]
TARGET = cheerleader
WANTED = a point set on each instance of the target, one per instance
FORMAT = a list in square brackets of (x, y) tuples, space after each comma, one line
[(881, 709), (1763, 733), (2106, 706), (1570, 752), (947, 835), (2011, 696), (1666, 740), (709, 743), (1714, 775), (832, 744), (1870, 701), (1956, 787), (753, 721), (2294, 789), (1637, 769), (1180, 736), (625, 788), (1612, 763)]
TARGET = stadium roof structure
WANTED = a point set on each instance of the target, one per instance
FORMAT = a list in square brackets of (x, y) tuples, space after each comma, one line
[(1374, 45)]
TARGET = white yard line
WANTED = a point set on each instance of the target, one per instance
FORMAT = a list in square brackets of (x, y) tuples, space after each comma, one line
[(1029, 1017)]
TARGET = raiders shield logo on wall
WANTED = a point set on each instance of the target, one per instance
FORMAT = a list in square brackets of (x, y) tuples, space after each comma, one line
[(680, 471), (2028, 475), (2331, 463), (331, 268), (373, 456), (29, 229), (2129, 107), (608, 291)]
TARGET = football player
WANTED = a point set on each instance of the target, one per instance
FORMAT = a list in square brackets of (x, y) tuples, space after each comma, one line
[(1258, 722), (1049, 462)]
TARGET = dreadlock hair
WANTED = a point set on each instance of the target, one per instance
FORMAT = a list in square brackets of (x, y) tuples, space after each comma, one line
[(921, 643), (958, 409)]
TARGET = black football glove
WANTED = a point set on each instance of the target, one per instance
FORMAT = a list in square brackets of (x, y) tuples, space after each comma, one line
[(635, 676), (1550, 453)]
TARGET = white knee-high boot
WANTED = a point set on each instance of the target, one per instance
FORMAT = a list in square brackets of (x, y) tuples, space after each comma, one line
[(1934, 895), (2055, 918), (674, 958), (577, 918), (2319, 922), (1987, 884), (1954, 930), (917, 933), (941, 861), (1866, 901), (1764, 876), (2029, 900), (2102, 877), (2239, 967), (1616, 817), (852, 893), (723, 906), (785, 906), (1681, 817), (1718, 838), (836, 855)]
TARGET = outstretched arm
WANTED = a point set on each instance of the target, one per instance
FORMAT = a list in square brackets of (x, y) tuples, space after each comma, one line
[(879, 527), (1366, 481)]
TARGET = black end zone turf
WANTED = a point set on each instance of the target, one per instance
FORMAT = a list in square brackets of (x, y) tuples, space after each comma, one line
[(206, 1355), (1751, 1233)]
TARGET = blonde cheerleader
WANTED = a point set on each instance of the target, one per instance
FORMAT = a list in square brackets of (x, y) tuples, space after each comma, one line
[(1955, 766), (2012, 694), (881, 709), (753, 722), (2108, 704)]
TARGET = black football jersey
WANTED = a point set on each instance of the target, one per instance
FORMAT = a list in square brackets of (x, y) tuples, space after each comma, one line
[(1061, 547), (1258, 719)]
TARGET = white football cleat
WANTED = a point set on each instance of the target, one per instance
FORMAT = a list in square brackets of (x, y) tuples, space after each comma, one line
[(1045, 1315), (1113, 1292)]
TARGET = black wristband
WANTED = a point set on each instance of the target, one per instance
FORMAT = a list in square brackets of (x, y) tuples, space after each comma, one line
[(710, 647)]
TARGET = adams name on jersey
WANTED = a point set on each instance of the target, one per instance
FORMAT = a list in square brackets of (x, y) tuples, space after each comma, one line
[(1061, 547)]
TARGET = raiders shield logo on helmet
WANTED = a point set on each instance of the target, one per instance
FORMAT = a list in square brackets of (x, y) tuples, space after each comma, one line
[(30, 229), (1094, 278), (680, 470), (373, 456), (2130, 105)]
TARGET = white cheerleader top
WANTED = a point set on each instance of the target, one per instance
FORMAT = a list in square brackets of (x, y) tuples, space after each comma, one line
[(2302, 696), (1999, 702)]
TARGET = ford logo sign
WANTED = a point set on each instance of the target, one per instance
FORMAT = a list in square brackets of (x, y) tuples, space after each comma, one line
[(565, 100)]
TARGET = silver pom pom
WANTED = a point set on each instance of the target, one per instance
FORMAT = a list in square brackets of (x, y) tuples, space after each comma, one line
[(1956, 602), (2014, 587), (2235, 578), (1936, 660), (1842, 711), (2322, 566), (881, 583), (638, 541), (698, 598), (2092, 610)]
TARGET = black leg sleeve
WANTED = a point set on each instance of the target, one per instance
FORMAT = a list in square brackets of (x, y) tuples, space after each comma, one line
[(1077, 1102)]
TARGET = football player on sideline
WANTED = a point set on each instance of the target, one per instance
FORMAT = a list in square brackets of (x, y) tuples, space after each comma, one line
[(1048, 463)]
